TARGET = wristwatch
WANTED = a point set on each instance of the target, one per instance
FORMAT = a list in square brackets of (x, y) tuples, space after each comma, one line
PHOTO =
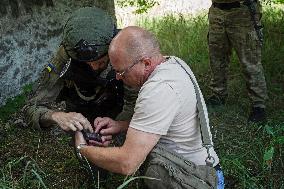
[(79, 147)]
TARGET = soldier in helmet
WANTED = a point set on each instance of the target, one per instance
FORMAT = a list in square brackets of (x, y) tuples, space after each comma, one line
[(79, 83)]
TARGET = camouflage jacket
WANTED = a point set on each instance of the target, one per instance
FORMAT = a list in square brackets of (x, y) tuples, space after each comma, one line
[(64, 84)]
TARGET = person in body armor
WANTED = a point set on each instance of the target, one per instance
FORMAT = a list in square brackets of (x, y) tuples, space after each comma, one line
[(79, 84), (236, 24)]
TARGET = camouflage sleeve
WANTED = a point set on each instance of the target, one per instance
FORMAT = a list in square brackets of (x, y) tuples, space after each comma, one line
[(46, 90), (130, 96)]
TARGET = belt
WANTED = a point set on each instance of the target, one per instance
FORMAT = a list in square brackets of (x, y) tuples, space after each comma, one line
[(227, 6)]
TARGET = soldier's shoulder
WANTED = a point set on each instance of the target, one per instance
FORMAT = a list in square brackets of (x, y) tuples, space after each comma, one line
[(59, 63)]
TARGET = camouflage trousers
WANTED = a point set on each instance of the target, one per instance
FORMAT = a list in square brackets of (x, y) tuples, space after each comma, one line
[(169, 170), (230, 29)]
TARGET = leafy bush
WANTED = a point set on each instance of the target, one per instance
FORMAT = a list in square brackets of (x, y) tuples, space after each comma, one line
[(141, 6)]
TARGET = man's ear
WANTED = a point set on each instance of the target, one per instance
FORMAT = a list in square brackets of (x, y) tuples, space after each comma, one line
[(148, 64)]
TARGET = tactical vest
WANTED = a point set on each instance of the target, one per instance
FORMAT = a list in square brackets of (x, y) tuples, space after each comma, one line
[(91, 92)]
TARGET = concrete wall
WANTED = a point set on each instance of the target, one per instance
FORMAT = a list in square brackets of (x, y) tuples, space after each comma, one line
[(30, 34)]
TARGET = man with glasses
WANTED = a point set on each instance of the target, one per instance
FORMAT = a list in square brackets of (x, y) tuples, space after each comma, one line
[(79, 84), (165, 129)]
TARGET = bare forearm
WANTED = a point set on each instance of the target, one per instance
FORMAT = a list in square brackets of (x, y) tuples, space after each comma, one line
[(113, 159), (124, 160)]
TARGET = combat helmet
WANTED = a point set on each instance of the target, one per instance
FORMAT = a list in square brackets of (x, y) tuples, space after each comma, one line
[(88, 33)]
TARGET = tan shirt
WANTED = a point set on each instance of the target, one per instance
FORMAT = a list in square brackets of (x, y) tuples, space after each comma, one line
[(166, 105)]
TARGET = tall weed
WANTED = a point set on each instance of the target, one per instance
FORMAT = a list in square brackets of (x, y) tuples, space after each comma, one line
[(251, 155), (20, 173)]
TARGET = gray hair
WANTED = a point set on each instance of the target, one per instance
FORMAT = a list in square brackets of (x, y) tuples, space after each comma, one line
[(141, 44)]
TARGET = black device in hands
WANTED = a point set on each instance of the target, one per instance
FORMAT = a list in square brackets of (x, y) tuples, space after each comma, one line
[(91, 136)]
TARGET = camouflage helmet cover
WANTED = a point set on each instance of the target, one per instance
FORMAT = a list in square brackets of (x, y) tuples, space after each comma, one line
[(92, 25)]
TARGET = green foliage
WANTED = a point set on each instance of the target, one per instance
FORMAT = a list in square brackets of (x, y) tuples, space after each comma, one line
[(14, 104), (22, 172), (251, 155), (276, 140), (126, 182), (273, 1), (273, 45), (142, 6), (268, 155), (182, 36)]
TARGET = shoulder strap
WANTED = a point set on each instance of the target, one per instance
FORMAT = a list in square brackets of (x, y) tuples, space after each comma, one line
[(202, 115)]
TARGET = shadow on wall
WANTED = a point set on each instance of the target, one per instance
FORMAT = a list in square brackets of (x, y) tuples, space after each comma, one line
[(15, 7)]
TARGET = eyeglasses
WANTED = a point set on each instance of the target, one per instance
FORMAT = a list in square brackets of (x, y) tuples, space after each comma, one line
[(122, 74)]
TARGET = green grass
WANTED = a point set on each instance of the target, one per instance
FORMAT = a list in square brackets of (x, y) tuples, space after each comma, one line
[(182, 37), (14, 104), (251, 155), (30, 175)]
